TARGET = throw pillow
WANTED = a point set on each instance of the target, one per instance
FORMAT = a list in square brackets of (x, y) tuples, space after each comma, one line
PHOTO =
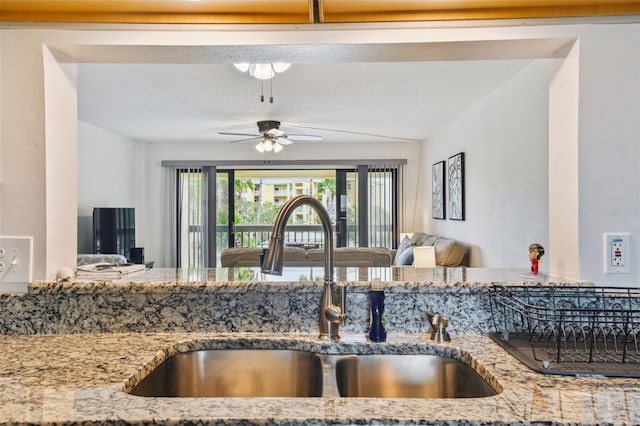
[(418, 238), (404, 257), (404, 244)]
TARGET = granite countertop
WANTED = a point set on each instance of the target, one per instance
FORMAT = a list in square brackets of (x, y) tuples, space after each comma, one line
[(69, 350), (180, 300), (79, 379), (307, 279)]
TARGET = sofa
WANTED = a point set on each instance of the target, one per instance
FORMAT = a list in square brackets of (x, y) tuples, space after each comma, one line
[(448, 252), (298, 256)]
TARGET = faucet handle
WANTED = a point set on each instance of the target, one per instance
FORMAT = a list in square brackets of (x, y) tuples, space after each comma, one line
[(439, 331), (435, 320), (336, 312), (439, 320)]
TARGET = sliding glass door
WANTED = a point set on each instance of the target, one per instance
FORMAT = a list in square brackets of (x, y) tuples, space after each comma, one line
[(260, 194), (362, 203), (368, 206)]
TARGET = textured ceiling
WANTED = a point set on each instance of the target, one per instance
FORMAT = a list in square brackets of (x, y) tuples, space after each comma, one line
[(177, 103), (344, 93)]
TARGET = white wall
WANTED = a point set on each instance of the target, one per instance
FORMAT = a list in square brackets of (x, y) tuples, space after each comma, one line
[(504, 138), (107, 177), (22, 142), (609, 147), (564, 176), (106, 169), (61, 152), (608, 129)]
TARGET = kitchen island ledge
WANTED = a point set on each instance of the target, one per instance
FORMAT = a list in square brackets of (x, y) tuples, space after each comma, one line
[(246, 300)]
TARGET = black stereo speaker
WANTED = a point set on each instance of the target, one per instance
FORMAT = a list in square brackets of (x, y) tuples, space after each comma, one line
[(136, 255)]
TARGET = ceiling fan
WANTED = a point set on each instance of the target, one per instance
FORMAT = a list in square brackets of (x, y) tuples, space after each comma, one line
[(271, 137)]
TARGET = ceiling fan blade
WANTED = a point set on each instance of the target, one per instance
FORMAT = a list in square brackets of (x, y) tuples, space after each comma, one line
[(304, 137), (354, 133), (284, 141), (238, 134), (247, 139)]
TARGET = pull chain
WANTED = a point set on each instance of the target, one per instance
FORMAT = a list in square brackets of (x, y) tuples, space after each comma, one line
[(271, 90)]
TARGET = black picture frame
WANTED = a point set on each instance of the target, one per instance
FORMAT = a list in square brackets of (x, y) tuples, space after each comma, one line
[(455, 187), (438, 195)]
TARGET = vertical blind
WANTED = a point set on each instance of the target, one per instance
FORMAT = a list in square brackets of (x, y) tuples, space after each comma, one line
[(191, 217), (383, 188)]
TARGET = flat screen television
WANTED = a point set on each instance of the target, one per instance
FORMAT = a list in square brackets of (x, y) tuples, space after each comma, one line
[(114, 230)]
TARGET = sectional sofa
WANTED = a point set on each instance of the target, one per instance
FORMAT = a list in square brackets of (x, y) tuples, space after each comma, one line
[(448, 252)]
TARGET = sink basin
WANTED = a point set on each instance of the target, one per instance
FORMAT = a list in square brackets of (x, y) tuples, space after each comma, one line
[(408, 376), (294, 373), (235, 373)]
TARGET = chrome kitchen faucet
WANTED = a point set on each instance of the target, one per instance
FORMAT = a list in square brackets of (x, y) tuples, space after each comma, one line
[(332, 313)]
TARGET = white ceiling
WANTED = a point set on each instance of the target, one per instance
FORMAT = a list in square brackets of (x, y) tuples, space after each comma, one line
[(192, 100)]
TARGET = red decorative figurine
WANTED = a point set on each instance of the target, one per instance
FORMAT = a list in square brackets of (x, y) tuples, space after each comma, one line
[(535, 253)]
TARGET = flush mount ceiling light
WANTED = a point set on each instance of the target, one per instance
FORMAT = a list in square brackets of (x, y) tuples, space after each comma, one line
[(263, 71)]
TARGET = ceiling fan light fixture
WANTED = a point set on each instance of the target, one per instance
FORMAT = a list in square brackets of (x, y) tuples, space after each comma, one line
[(262, 71), (242, 67), (268, 145), (280, 66)]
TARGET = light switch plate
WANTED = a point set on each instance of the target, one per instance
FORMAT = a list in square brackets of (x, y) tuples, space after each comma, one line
[(16, 260)]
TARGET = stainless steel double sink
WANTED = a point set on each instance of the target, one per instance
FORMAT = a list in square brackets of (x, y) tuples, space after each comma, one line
[(294, 373)]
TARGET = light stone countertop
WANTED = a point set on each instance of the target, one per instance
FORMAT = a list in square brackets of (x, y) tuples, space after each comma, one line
[(79, 379), (68, 352), (180, 300), (308, 279)]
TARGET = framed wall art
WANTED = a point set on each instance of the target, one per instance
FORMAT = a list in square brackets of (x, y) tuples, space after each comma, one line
[(455, 186), (438, 190)]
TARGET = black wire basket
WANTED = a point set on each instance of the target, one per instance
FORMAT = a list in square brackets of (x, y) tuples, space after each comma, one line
[(571, 330)]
